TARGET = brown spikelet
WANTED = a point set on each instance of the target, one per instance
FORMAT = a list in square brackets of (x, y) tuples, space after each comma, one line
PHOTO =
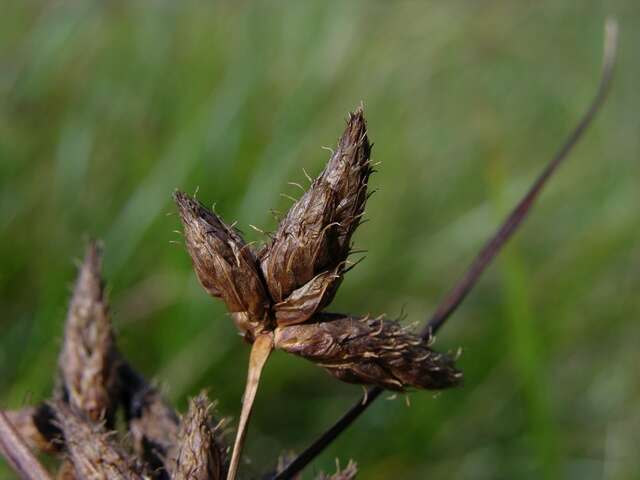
[(92, 450), (88, 361), (371, 351), (197, 454), (304, 262), (225, 266), (153, 423)]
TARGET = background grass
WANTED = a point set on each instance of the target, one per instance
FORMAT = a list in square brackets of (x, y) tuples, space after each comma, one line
[(106, 107)]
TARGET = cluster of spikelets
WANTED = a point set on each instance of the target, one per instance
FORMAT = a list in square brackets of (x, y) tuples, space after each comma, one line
[(282, 289), (277, 297), (78, 424)]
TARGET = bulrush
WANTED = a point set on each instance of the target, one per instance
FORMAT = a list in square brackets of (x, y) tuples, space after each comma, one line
[(276, 296), (282, 289)]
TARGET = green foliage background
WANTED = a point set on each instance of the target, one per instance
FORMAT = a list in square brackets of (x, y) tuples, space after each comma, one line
[(106, 107)]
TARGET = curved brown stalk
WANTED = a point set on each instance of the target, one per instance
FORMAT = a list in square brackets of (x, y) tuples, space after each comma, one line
[(18, 455), (260, 351), (456, 296)]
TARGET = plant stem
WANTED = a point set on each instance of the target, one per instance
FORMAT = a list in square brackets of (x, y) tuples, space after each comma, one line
[(262, 347), (18, 455)]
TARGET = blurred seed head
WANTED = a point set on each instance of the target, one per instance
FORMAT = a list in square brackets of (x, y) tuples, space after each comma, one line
[(152, 422), (87, 362), (92, 450), (370, 351), (197, 453)]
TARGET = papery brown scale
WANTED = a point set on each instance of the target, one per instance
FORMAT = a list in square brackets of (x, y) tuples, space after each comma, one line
[(88, 360), (197, 453), (225, 266), (369, 351), (303, 302), (314, 237)]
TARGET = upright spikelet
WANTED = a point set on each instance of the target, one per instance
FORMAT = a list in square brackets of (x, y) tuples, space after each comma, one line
[(88, 360), (304, 262), (197, 453), (225, 266)]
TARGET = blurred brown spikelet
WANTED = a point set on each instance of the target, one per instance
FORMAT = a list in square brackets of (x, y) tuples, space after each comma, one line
[(304, 262), (153, 423), (372, 351), (225, 266), (87, 361), (197, 453), (93, 451)]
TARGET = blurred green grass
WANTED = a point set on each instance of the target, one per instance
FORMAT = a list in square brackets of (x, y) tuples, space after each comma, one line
[(106, 107)]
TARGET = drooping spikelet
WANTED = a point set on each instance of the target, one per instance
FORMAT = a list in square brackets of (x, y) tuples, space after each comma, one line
[(304, 262), (225, 266), (197, 453), (370, 351)]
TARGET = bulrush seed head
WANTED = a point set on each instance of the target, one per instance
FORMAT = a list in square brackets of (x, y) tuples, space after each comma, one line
[(372, 351), (226, 267), (87, 364), (296, 275), (304, 262)]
